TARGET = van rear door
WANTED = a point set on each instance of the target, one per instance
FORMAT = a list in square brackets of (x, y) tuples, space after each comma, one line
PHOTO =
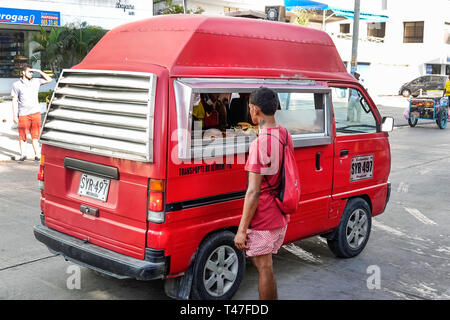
[(97, 144)]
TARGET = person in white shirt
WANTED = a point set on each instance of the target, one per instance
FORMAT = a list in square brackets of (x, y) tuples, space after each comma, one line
[(26, 109)]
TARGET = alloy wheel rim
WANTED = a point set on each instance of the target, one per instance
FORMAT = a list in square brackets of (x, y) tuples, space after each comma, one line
[(357, 228), (220, 271)]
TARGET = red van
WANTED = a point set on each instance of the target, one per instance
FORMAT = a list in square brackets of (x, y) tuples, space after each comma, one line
[(145, 142)]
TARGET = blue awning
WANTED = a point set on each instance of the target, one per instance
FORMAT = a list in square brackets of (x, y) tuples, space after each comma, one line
[(304, 5), (349, 14)]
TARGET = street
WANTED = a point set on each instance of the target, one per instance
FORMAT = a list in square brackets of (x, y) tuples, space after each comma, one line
[(407, 256)]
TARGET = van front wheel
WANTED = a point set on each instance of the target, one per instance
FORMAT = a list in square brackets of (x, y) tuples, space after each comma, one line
[(353, 231), (219, 268)]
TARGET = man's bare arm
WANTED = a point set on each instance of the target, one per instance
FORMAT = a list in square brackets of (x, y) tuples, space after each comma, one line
[(250, 205), (15, 111), (47, 78)]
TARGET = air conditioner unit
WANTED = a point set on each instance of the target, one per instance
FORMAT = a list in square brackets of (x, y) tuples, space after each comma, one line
[(276, 13)]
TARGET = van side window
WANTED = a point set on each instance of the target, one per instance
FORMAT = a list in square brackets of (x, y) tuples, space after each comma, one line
[(301, 113), (352, 112), (213, 117), (220, 115)]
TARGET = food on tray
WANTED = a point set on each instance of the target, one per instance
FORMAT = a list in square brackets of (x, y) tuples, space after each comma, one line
[(229, 133), (212, 134)]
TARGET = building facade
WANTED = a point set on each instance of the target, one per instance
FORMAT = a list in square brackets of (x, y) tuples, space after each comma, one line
[(414, 41), (20, 19)]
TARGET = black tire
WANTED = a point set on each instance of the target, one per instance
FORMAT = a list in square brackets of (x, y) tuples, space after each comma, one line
[(230, 262), (412, 122), (342, 244), (406, 93), (441, 119)]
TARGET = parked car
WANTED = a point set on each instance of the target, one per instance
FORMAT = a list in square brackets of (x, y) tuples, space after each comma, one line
[(424, 83), (132, 187)]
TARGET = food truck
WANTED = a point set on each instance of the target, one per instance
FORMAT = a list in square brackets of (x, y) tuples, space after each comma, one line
[(138, 181)]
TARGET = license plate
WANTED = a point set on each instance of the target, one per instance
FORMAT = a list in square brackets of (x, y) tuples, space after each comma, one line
[(362, 168), (93, 187)]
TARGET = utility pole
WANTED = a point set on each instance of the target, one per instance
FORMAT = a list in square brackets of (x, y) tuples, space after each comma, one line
[(184, 6), (354, 63)]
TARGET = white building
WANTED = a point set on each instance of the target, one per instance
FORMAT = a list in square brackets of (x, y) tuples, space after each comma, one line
[(19, 19), (413, 41)]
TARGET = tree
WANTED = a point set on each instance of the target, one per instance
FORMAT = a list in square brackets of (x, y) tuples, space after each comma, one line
[(64, 47), (175, 9), (302, 17)]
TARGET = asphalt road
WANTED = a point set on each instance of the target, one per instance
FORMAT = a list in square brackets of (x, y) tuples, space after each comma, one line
[(409, 246)]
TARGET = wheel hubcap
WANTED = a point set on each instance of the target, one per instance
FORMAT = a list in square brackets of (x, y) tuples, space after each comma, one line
[(357, 227), (220, 271)]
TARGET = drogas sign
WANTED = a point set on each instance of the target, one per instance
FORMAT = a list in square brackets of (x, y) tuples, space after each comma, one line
[(34, 17)]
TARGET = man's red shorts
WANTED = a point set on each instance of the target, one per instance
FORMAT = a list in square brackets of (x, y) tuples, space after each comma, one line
[(29, 123)]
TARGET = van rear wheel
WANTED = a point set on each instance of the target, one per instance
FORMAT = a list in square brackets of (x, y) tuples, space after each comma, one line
[(219, 268), (353, 231)]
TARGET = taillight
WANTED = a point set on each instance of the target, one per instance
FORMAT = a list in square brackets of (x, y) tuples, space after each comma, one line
[(156, 212), (40, 175)]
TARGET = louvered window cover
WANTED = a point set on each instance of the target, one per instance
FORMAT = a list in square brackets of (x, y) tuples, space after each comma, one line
[(109, 113)]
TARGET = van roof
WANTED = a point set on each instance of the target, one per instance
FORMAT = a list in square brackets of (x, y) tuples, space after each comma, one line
[(199, 45)]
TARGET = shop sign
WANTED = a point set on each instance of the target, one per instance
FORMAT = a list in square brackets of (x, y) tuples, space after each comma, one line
[(125, 6), (33, 17)]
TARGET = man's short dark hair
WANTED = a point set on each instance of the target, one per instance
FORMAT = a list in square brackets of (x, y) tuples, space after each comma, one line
[(266, 99), (26, 66)]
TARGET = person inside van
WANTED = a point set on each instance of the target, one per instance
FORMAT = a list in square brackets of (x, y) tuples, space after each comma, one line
[(263, 226), (215, 111), (198, 111), (239, 109)]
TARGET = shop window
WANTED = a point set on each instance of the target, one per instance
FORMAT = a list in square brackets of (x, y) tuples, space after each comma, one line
[(12, 54), (433, 68), (344, 28), (413, 32), (352, 112), (447, 70), (376, 29)]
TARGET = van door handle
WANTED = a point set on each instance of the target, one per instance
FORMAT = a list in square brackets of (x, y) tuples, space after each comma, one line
[(318, 161), (344, 153)]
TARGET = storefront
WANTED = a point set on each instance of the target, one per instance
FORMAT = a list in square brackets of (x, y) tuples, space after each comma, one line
[(17, 27), (21, 20)]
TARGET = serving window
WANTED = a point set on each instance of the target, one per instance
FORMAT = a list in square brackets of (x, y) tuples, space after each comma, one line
[(213, 117)]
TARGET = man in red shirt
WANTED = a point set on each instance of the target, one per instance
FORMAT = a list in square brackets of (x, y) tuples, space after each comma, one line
[(263, 226)]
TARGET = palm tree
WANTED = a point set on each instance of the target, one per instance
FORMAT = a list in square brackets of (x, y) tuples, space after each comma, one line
[(66, 46)]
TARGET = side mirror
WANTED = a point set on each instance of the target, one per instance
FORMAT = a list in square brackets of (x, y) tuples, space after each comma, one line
[(387, 125)]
